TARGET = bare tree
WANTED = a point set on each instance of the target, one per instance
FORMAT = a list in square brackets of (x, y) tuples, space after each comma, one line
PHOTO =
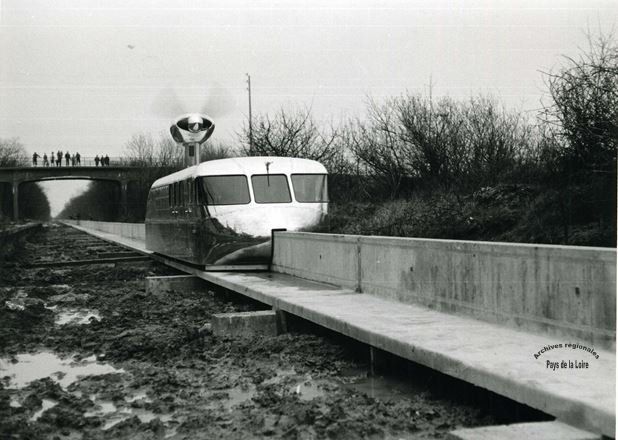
[(581, 121), (379, 148), (12, 153), (497, 141), (144, 150), (432, 135), (294, 133), (33, 201), (213, 150), (584, 106), (443, 144)]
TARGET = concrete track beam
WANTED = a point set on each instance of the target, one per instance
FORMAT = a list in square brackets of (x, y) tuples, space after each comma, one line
[(529, 431)]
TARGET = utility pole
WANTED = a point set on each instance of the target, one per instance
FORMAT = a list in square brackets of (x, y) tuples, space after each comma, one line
[(250, 118)]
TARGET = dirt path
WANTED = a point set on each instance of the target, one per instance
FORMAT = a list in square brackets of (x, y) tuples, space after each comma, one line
[(86, 353)]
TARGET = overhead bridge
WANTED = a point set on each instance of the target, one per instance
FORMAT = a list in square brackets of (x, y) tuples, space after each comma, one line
[(16, 176), (534, 323)]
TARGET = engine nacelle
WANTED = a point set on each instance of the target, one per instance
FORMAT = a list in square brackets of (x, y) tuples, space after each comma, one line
[(192, 128)]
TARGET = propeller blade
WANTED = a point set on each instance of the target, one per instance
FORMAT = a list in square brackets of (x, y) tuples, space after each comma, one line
[(167, 104), (219, 102)]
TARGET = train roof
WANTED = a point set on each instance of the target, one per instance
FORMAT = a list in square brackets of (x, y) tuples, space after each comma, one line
[(245, 165)]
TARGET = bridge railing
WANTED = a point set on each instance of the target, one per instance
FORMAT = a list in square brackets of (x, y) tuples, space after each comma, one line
[(90, 161)]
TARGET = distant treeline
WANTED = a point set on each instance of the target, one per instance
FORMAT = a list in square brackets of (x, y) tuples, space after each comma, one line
[(446, 168)]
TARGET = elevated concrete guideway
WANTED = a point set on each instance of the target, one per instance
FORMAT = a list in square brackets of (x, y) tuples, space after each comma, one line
[(16, 176), (527, 360)]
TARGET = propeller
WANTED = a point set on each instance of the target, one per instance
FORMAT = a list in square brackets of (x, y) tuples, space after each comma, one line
[(217, 102)]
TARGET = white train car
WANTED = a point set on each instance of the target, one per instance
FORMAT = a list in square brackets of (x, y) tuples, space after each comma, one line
[(220, 214)]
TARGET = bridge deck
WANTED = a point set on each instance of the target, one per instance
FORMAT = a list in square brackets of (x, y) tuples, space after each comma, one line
[(497, 358)]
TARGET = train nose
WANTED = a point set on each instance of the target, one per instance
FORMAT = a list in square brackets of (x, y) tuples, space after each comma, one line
[(295, 218), (260, 221)]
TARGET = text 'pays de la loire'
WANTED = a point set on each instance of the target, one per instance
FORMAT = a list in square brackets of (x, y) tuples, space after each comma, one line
[(564, 365)]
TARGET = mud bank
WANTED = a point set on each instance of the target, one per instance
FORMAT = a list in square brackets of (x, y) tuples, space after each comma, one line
[(85, 353)]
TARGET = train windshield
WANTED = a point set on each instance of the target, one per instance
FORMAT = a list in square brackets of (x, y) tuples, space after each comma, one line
[(310, 188), (271, 188), (226, 190)]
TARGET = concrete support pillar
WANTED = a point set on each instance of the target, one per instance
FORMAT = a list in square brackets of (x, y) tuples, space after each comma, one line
[(163, 284), (282, 321), (245, 324), (15, 201), (2, 192), (124, 204)]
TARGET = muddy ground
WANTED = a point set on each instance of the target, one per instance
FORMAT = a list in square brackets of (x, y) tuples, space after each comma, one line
[(86, 353)]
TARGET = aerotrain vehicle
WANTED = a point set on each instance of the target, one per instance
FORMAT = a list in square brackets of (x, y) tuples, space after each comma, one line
[(219, 215)]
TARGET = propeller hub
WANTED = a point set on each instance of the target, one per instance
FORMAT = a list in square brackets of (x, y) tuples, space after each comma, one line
[(192, 128)]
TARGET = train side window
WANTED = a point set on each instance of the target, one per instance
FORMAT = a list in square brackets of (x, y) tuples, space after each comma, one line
[(310, 188), (169, 195), (271, 188), (226, 190)]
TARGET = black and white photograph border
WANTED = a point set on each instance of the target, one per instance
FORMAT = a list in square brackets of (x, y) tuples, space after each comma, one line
[(369, 219)]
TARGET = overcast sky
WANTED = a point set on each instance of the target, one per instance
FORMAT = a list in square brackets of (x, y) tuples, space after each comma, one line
[(85, 75)]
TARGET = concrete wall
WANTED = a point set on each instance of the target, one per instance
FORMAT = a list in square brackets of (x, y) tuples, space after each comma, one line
[(559, 290), (135, 231)]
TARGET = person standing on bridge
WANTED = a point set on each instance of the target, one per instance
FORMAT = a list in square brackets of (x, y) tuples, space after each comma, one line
[(59, 159), (96, 160), (67, 158), (45, 161), (78, 159), (106, 160), (73, 160), (35, 156)]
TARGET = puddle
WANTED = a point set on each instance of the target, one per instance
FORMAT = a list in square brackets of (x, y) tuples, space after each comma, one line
[(30, 367), (114, 415), (308, 390), (305, 387), (46, 404), (144, 416), (102, 407), (140, 395), (237, 395), (14, 403), (76, 317)]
